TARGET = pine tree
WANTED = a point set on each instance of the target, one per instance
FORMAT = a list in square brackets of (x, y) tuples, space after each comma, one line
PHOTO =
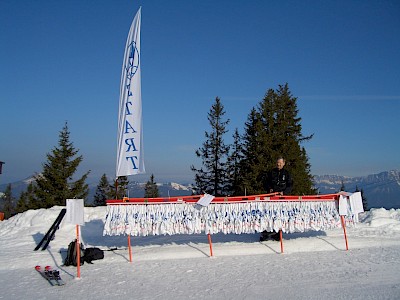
[(23, 201), (102, 191), (8, 203), (364, 200), (288, 139), (31, 200), (121, 188), (151, 189), (256, 155), (273, 129), (212, 178), (234, 161), (342, 187), (55, 184)]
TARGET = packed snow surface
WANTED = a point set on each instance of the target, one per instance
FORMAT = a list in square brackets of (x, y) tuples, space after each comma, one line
[(314, 265)]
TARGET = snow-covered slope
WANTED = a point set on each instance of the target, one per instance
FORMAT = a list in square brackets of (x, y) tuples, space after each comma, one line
[(314, 265)]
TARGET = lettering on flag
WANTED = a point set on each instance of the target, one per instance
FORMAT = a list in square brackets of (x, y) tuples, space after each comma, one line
[(130, 156)]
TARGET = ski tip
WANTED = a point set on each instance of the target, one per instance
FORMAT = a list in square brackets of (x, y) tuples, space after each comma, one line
[(47, 268), (37, 267)]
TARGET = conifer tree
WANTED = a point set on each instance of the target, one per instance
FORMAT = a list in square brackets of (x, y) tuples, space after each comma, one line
[(102, 191), (234, 161), (342, 187), (120, 190), (288, 139), (23, 202), (151, 189), (256, 152), (273, 129), (8, 202), (212, 177), (55, 184), (29, 197), (364, 200)]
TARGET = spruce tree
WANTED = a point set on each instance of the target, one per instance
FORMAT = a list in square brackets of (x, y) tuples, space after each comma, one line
[(29, 195), (256, 155), (119, 190), (212, 177), (364, 200), (102, 191), (151, 189), (234, 161), (27, 199), (55, 184), (288, 138), (273, 129), (8, 203), (22, 204), (342, 187)]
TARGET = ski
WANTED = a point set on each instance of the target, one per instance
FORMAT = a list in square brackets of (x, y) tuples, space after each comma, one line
[(55, 274), (52, 276), (45, 274)]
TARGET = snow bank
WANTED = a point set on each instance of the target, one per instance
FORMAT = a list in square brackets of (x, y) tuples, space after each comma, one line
[(314, 265)]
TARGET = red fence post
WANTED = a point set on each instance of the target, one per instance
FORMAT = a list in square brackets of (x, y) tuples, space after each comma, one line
[(130, 248), (344, 231), (210, 243)]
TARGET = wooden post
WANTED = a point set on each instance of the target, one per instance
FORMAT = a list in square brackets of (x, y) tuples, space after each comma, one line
[(344, 231), (78, 254), (210, 243), (280, 236)]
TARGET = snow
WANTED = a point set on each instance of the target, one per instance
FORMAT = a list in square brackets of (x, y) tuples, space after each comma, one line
[(177, 186), (314, 265)]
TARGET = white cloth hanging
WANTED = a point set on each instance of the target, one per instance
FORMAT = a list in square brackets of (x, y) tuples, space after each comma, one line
[(238, 218)]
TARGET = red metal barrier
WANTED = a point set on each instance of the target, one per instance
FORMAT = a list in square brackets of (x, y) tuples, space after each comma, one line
[(195, 198), (235, 199)]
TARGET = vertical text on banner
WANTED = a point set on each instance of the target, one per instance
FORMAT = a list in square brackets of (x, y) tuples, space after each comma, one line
[(130, 156)]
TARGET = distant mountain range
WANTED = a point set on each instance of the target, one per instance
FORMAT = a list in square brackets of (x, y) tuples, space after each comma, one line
[(380, 190)]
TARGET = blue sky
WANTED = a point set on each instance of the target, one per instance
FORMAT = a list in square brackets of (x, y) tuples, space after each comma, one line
[(61, 61)]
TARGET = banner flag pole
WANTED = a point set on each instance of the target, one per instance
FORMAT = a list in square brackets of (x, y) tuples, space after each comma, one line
[(78, 253), (130, 156)]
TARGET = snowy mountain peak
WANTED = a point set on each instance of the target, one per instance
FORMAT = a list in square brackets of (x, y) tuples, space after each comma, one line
[(179, 187)]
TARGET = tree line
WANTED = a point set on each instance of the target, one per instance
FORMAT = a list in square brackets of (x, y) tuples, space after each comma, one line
[(56, 183), (272, 129)]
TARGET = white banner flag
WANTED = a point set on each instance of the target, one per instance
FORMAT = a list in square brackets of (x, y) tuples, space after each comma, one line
[(130, 159)]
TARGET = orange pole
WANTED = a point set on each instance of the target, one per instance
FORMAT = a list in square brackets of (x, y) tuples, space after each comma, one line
[(210, 243), (344, 231), (78, 254), (130, 248), (280, 236)]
